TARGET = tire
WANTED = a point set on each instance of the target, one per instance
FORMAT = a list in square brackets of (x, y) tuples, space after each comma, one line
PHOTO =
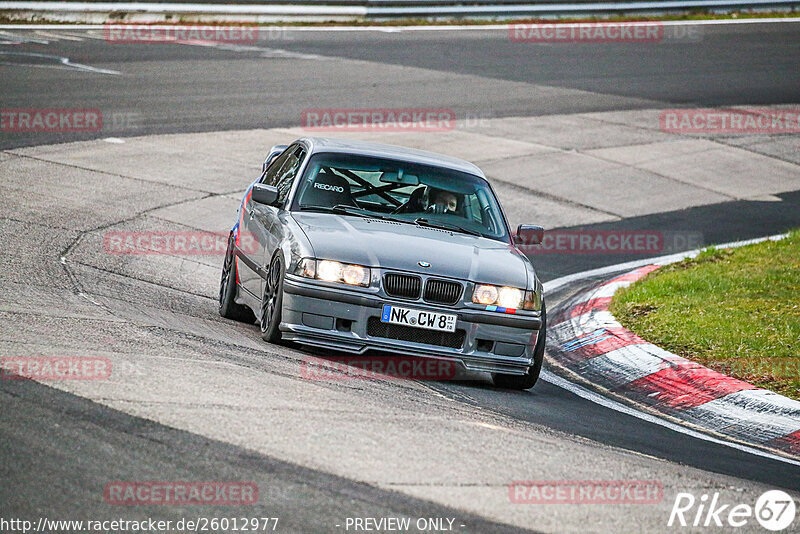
[(228, 307), (272, 302), (528, 380)]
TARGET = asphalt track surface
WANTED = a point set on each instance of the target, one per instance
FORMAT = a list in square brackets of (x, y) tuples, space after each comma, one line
[(59, 449), (267, 84)]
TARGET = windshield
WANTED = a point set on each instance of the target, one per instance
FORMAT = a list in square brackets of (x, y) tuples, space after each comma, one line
[(408, 192)]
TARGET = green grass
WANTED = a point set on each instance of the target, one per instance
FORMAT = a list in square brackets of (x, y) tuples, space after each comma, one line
[(735, 310)]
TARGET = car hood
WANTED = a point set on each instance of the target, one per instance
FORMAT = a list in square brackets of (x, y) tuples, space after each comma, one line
[(390, 245)]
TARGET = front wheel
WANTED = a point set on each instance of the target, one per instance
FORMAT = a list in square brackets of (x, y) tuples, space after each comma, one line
[(528, 380), (228, 307), (272, 302)]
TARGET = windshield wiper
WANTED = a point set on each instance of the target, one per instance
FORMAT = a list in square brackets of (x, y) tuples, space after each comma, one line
[(338, 208), (445, 226), (344, 209)]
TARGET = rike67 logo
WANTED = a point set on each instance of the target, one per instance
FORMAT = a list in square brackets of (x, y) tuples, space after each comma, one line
[(774, 510)]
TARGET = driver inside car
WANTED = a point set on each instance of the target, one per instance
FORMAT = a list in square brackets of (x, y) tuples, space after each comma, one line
[(440, 201)]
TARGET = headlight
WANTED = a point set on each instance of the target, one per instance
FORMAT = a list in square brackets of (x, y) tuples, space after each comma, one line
[(506, 297), (509, 297), (329, 271), (355, 275), (484, 295), (333, 271)]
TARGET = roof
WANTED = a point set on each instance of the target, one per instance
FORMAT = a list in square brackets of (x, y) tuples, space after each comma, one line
[(365, 148)]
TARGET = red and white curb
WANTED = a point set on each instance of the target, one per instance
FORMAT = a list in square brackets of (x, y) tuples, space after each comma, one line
[(592, 344)]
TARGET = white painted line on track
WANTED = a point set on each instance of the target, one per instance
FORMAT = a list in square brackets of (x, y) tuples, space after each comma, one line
[(61, 63), (58, 36), (271, 53), (596, 398), (88, 34), (21, 39)]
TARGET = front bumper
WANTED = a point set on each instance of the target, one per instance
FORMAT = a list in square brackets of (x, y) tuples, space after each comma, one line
[(339, 319)]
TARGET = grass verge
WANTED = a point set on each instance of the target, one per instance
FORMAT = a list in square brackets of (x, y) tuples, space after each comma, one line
[(735, 310)]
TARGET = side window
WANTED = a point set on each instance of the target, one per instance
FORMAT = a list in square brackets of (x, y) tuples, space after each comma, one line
[(283, 171), (271, 176), (287, 173)]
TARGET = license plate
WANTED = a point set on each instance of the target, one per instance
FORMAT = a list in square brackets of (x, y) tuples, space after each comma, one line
[(418, 318)]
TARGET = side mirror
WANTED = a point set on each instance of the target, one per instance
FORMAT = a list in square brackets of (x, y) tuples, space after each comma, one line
[(529, 234), (265, 194)]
